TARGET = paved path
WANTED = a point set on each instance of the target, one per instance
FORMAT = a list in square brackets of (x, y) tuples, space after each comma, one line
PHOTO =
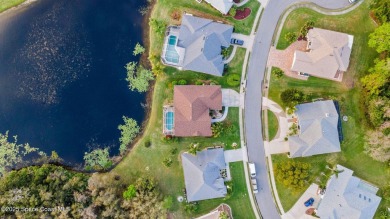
[(226, 61), (252, 119), (230, 98), (248, 40)]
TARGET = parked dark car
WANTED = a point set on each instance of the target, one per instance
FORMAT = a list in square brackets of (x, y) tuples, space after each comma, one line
[(309, 202), (237, 41)]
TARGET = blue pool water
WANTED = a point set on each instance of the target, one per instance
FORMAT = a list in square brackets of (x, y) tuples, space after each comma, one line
[(169, 121), (171, 54)]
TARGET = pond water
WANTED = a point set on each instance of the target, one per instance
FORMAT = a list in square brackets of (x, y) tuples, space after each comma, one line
[(62, 76)]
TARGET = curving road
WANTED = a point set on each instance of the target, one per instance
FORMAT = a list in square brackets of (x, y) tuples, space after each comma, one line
[(253, 95)]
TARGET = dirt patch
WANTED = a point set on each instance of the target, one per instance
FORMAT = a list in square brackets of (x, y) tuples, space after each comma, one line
[(241, 14)]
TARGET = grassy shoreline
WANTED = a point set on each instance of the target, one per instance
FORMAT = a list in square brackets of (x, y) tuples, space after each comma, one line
[(8, 4)]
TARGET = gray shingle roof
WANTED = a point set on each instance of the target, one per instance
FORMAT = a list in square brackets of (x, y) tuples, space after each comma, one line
[(347, 196), (221, 5), (318, 133), (202, 41), (202, 174)]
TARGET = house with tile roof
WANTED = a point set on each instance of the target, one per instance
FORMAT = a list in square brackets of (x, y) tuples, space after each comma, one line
[(318, 129), (202, 174), (347, 196), (191, 109), (196, 45), (327, 56), (221, 5)]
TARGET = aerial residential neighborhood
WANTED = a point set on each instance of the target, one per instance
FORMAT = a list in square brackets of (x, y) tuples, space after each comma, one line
[(206, 109)]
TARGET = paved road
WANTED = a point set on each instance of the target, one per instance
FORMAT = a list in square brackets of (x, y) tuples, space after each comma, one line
[(252, 110)]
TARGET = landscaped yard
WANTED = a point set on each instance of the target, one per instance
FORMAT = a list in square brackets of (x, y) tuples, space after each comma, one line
[(273, 125), (238, 200), (149, 160), (347, 93), (6, 4)]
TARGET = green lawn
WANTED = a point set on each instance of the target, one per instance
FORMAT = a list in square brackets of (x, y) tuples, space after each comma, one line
[(142, 160), (238, 200), (273, 125), (347, 93), (170, 11), (6, 4)]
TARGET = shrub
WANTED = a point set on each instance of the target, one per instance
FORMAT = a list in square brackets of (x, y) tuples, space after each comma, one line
[(277, 72), (174, 83), (138, 49), (148, 143), (233, 11), (167, 161), (291, 37), (97, 159), (292, 97), (217, 128), (167, 203), (182, 82), (194, 148), (233, 80), (129, 131), (173, 151), (292, 174), (199, 82), (130, 193)]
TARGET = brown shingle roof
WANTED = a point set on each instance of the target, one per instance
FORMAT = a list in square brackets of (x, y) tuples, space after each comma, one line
[(192, 104)]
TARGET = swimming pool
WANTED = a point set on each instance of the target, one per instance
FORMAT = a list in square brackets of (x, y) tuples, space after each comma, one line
[(169, 121), (171, 54)]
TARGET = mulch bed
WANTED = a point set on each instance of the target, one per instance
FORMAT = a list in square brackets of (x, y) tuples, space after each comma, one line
[(237, 1), (241, 14)]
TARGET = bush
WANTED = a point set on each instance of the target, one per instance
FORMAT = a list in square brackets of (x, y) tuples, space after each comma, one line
[(182, 82), (130, 193), (292, 97), (173, 151), (148, 143), (292, 174), (233, 80), (305, 28), (217, 128), (167, 161), (97, 159), (174, 83), (291, 37), (167, 203), (233, 11), (199, 82), (138, 49), (277, 72)]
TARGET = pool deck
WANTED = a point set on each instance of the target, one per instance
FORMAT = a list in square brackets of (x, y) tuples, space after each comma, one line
[(166, 130), (172, 54)]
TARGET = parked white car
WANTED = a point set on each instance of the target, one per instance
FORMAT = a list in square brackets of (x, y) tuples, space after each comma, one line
[(252, 170), (254, 186)]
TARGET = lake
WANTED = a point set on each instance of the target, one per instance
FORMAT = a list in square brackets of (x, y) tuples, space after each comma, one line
[(62, 76)]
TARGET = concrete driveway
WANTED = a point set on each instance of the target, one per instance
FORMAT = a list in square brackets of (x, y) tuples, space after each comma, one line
[(248, 40), (233, 155), (230, 98), (299, 209)]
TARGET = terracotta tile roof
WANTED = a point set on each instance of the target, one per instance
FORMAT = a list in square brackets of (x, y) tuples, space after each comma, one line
[(192, 104)]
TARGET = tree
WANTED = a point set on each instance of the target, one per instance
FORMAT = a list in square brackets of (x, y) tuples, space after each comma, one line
[(138, 77), (277, 72), (291, 37), (12, 153), (380, 38), (138, 49), (381, 10), (375, 82), (292, 97), (129, 131), (130, 193), (292, 174), (97, 159)]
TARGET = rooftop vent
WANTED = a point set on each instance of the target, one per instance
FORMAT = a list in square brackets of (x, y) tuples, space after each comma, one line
[(327, 114)]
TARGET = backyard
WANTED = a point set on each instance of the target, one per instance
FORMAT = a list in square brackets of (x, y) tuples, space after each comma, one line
[(148, 154), (347, 93)]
